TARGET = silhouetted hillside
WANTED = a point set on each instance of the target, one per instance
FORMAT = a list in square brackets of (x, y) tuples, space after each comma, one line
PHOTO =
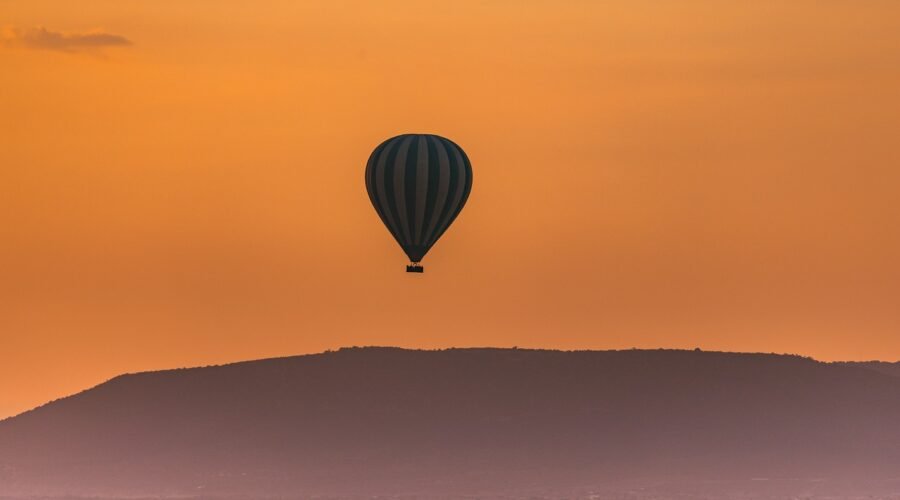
[(367, 421), (892, 369)]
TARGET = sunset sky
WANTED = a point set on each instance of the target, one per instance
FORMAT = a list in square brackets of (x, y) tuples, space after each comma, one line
[(181, 183)]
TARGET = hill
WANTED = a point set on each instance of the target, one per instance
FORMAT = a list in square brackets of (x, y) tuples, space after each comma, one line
[(481, 422), (892, 369)]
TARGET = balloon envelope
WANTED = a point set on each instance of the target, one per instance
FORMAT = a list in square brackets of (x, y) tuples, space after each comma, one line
[(418, 184)]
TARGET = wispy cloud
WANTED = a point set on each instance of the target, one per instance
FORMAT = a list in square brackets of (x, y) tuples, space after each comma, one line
[(42, 38)]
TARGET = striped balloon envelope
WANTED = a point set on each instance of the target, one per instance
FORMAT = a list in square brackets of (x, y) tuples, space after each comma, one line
[(418, 184)]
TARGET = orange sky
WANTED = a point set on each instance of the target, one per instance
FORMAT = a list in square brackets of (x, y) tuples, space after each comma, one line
[(181, 183)]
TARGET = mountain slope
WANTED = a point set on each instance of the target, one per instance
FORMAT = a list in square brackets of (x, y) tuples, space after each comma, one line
[(368, 421), (885, 367)]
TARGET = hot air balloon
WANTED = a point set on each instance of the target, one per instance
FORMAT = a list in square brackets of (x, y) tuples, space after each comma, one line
[(418, 184)]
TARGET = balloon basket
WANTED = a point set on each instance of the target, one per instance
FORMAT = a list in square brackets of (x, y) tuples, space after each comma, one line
[(415, 268)]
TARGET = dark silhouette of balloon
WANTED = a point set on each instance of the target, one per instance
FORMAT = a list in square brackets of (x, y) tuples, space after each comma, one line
[(418, 184)]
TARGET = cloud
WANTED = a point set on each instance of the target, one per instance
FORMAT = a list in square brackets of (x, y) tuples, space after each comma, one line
[(42, 38)]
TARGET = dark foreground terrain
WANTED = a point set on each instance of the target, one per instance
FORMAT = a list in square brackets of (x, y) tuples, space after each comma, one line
[(511, 423)]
